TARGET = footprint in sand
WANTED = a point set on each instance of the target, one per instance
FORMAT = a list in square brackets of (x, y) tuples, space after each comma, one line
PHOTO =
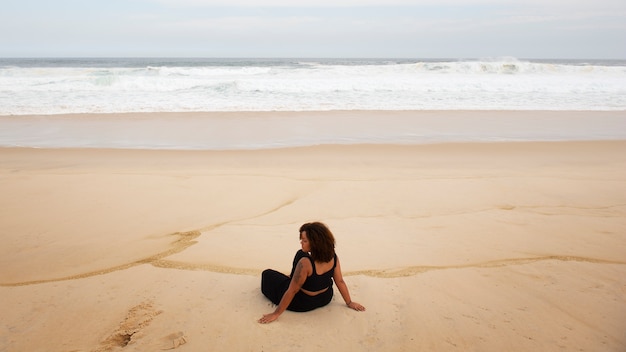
[(174, 340), (129, 330)]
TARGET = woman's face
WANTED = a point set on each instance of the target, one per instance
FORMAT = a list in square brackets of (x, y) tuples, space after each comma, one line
[(304, 241)]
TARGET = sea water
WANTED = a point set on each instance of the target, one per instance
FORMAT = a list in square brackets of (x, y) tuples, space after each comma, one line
[(306, 88), (59, 86)]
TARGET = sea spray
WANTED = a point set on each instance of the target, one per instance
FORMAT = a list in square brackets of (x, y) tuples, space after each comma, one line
[(56, 86)]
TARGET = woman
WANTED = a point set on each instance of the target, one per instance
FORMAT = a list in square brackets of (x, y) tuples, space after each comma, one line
[(310, 284)]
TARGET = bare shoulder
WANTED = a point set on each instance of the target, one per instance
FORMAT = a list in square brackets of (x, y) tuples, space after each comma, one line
[(303, 270), (304, 266)]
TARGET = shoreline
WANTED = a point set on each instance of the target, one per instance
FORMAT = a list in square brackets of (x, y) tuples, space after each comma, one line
[(275, 130), (330, 154), (377, 111), (490, 246)]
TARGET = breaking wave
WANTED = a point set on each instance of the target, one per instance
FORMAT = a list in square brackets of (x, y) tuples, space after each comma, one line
[(152, 85)]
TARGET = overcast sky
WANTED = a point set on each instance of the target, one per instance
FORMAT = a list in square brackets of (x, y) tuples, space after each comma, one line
[(582, 29)]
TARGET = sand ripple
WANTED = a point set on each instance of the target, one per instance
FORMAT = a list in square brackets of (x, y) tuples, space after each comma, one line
[(187, 239)]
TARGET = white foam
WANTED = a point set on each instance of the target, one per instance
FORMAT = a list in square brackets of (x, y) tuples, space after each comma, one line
[(500, 84)]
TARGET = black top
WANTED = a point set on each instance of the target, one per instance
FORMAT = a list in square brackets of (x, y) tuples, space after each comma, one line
[(314, 282)]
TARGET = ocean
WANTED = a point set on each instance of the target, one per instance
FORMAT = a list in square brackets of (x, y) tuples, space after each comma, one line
[(110, 86), (61, 86)]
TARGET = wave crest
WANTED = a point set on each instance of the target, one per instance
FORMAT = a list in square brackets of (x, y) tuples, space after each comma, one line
[(485, 84)]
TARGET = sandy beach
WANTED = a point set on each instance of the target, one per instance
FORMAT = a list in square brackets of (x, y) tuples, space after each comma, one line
[(451, 247)]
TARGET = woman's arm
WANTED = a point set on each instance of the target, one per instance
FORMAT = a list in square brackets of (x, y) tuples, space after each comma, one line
[(343, 288), (303, 270)]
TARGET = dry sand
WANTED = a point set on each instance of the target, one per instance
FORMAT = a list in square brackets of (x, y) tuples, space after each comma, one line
[(469, 247)]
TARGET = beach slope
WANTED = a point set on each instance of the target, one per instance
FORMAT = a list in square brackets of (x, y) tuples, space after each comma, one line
[(475, 246)]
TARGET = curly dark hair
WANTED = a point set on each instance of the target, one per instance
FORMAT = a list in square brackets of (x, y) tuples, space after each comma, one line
[(321, 239)]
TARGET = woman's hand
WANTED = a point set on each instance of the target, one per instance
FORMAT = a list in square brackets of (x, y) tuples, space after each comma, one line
[(356, 306), (268, 318), (304, 268)]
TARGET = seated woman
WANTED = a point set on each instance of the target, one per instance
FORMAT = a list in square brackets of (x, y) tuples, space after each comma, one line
[(310, 284)]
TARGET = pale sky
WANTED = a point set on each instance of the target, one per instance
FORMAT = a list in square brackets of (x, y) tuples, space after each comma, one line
[(560, 29)]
